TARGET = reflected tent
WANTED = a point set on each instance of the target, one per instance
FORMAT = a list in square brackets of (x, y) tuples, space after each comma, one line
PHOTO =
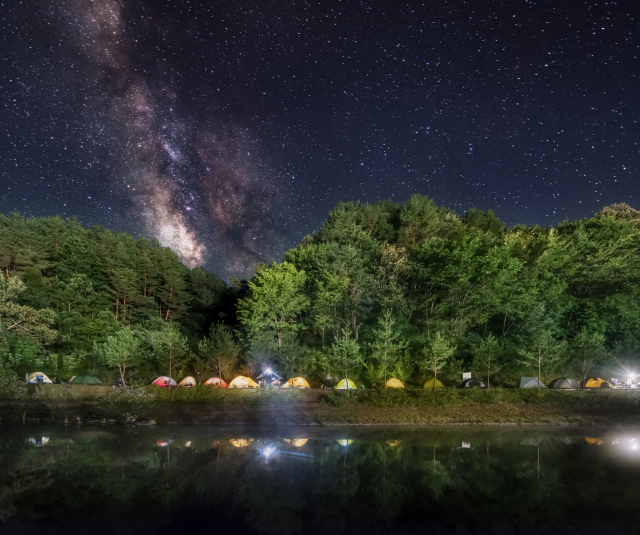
[(296, 442)]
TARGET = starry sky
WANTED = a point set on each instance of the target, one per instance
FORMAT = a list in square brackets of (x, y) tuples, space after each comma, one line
[(229, 129)]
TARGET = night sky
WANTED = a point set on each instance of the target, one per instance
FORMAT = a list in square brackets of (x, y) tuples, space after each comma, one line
[(228, 130)]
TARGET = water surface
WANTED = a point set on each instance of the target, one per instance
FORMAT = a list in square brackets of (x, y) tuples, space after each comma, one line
[(342, 480)]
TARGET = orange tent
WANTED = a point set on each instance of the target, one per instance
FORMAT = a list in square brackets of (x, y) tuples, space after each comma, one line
[(216, 381), (296, 382), (243, 382)]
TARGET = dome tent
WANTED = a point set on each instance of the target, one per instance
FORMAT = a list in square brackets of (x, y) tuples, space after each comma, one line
[(595, 382), (216, 381), (472, 382), (243, 382), (566, 383), (394, 383), (36, 377), (432, 383), (529, 382), (346, 384), (188, 382), (296, 382), (165, 382)]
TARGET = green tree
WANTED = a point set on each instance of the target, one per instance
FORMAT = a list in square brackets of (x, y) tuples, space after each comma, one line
[(345, 354), (219, 351), (275, 302), (170, 345), (544, 353), (122, 350), (386, 347), (486, 357), (436, 355)]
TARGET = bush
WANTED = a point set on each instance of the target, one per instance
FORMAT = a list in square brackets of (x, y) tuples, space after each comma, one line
[(128, 403), (11, 388), (59, 400), (213, 394)]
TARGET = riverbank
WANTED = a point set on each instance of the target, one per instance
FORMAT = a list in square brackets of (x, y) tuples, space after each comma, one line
[(333, 408)]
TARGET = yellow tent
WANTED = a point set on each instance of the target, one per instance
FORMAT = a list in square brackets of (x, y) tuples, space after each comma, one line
[(188, 381), (243, 382), (296, 382), (394, 383), (33, 378), (595, 382), (345, 442), (346, 384), (393, 443), (296, 442), (240, 442), (429, 383)]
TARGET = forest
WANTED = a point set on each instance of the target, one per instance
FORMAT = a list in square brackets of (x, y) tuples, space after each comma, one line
[(382, 290)]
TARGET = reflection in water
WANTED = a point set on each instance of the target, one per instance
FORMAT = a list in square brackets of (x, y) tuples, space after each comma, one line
[(468, 481)]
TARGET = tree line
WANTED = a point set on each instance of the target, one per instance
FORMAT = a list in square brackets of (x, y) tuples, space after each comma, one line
[(381, 290)]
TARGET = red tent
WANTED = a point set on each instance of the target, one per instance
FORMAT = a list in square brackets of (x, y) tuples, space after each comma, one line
[(165, 381), (216, 381)]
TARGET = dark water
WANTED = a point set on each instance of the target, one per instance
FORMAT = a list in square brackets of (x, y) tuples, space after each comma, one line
[(343, 480)]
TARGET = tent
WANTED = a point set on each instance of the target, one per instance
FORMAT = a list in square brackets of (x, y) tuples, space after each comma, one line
[(346, 384), (345, 442), (564, 382), (188, 381), (472, 382), (593, 441), (216, 381), (429, 383), (243, 382), (394, 383), (85, 380), (240, 442), (165, 382), (36, 377), (595, 382), (529, 382), (296, 382), (296, 442)]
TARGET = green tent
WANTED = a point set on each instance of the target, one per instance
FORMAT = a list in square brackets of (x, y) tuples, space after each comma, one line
[(528, 382), (429, 383), (85, 380), (346, 384)]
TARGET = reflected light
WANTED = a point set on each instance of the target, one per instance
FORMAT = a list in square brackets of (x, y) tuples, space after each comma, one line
[(240, 442), (345, 442)]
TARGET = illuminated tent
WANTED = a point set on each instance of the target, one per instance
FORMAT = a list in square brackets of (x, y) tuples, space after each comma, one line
[(595, 382), (35, 376), (472, 382), (393, 443), (429, 383), (85, 380), (188, 381), (593, 441), (296, 442), (296, 382), (216, 381), (529, 382), (345, 442), (240, 442), (164, 381), (564, 382), (394, 383), (346, 384), (243, 382)]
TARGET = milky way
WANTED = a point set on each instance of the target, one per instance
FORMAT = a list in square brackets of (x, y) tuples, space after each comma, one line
[(228, 130)]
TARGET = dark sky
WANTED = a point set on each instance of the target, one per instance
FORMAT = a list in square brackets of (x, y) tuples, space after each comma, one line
[(228, 130)]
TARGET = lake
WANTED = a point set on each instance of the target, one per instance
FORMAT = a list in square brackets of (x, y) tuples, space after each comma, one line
[(184, 479)]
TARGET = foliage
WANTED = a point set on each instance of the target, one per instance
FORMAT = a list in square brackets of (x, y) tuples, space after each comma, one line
[(128, 403), (122, 351)]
